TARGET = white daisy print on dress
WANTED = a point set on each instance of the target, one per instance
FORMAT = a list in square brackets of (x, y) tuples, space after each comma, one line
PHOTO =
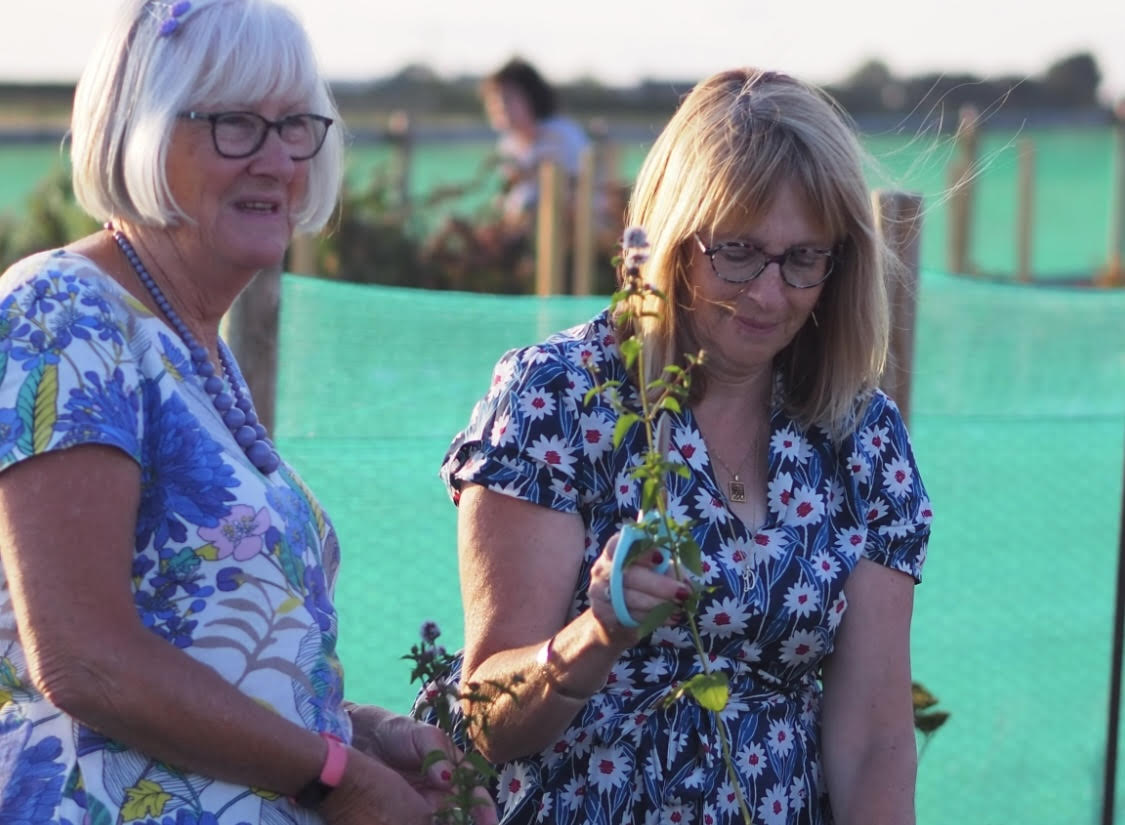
[(625, 490), (802, 599), (780, 737), (836, 611), (874, 439), (778, 492), (799, 648), (711, 508), (768, 545), (790, 446), (898, 478), (805, 507), (858, 466), (825, 566), (597, 435), (752, 759), (552, 450), (512, 785), (536, 403), (609, 769), (501, 376), (689, 445), (774, 807), (501, 433), (725, 617), (850, 541)]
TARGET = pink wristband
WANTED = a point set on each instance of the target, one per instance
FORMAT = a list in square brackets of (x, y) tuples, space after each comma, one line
[(335, 761)]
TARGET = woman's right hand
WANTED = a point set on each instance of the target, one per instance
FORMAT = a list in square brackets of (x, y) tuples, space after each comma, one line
[(644, 589), (372, 793)]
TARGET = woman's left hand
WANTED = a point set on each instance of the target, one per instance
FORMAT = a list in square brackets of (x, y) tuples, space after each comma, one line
[(403, 743)]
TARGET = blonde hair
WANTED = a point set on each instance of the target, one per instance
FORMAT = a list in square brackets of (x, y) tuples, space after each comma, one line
[(735, 137), (225, 54)]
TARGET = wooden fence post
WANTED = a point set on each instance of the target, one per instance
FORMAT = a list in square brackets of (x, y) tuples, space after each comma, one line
[(898, 216), (585, 223), (400, 136), (550, 238), (1114, 274), (302, 255), (250, 328), (962, 181), (1025, 210)]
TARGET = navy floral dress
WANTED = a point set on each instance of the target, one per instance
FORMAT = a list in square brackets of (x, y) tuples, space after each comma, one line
[(774, 604), (234, 568)]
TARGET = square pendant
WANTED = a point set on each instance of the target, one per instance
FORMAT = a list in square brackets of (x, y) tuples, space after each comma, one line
[(737, 491)]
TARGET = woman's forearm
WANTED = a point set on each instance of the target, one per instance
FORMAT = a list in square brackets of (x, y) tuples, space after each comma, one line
[(547, 695), (147, 694)]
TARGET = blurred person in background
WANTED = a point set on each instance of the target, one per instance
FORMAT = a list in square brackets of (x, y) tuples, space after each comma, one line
[(523, 109)]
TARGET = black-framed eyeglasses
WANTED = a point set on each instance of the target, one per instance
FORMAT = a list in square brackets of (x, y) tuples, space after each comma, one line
[(241, 134), (738, 262)]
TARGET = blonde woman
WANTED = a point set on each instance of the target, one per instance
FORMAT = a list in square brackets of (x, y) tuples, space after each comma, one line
[(802, 490)]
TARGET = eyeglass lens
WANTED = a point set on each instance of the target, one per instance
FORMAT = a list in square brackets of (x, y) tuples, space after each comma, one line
[(238, 134)]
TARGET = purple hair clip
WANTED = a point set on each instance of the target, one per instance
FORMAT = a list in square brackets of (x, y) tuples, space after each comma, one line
[(173, 12)]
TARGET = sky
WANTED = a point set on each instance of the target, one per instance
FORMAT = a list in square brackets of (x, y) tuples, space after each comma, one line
[(619, 42)]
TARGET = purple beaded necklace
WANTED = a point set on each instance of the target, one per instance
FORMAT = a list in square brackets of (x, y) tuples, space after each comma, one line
[(234, 407)]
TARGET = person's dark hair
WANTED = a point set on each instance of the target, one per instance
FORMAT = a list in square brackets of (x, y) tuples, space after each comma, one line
[(521, 74)]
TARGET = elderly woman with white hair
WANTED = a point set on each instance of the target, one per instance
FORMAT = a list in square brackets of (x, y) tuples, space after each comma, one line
[(167, 631)]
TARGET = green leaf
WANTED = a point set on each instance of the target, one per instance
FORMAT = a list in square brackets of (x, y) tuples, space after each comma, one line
[(927, 723), (669, 402), (922, 698), (681, 470), (482, 765), (709, 689), (630, 349), (626, 421), (656, 617), (432, 758), (691, 557)]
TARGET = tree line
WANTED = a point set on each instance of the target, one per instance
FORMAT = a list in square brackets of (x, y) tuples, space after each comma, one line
[(1066, 89)]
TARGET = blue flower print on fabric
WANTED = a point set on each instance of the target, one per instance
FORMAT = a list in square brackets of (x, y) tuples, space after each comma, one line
[(82, 362), (11, 430), (34, 775), (98, 412), (185, 478)]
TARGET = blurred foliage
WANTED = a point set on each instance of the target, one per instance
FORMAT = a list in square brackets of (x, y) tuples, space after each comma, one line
[(926, 720), (375, 238), (51, 219)]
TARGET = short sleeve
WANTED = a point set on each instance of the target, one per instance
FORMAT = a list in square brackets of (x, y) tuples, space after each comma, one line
[(68, 374), (523, 439), (898, 511)]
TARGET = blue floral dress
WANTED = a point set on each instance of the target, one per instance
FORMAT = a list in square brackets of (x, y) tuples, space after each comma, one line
[(234, 568), (773, 604)]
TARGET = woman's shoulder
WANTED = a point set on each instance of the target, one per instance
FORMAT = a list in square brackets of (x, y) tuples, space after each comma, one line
[(46, 279), (580, 349)]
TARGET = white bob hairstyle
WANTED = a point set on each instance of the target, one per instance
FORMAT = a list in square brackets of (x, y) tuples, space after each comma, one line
[(224, 55)]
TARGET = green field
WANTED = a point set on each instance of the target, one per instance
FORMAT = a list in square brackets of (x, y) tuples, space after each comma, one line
[(1071, 212)]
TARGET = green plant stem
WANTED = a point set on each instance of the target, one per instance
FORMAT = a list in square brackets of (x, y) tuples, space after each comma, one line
[(697, 641)]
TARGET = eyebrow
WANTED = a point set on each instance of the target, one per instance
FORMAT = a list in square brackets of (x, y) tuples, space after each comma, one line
[(761, 246)]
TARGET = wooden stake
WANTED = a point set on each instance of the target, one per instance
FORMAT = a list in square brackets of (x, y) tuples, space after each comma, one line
[(549, 235), (898, 216), (585, 223)]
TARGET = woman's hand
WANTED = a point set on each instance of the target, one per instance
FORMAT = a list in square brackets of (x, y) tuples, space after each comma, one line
[(402, 744), (644, 589)]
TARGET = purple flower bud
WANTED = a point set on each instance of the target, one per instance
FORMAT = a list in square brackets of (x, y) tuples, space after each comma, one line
[(430, 631), (635, 238)]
